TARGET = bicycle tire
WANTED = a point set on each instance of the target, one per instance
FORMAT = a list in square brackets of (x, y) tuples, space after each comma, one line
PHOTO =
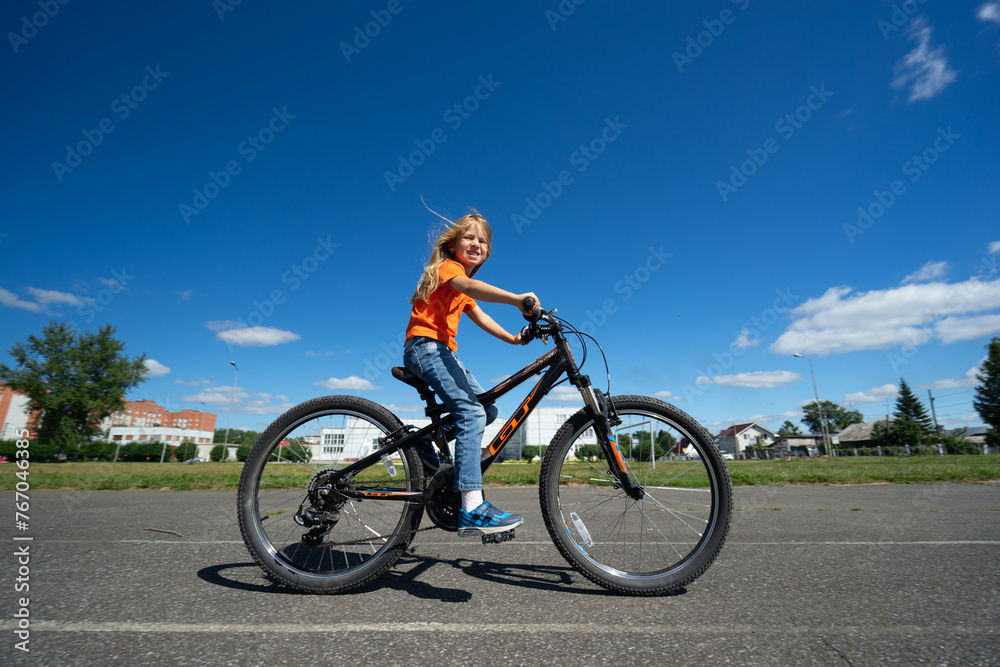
[(369, 536), (651, 546)]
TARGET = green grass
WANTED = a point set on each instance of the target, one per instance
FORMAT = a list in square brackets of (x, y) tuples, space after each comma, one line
[(866, 470), (225, 476)]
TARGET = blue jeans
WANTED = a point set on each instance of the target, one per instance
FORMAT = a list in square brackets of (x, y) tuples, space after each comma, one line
[(434, 363)]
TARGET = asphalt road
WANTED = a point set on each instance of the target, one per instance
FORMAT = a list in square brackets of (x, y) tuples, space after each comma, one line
[(863, 575)]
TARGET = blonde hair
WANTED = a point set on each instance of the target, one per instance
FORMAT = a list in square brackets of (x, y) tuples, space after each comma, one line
[(442, 252)]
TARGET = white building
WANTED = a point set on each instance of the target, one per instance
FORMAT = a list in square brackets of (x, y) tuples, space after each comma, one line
[(167, 434), (352, 441), (739, 437)]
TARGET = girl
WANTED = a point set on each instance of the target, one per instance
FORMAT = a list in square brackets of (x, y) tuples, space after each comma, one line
[(445, 291)]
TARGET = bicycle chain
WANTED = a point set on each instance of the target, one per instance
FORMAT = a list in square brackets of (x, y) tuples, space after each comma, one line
[(373, 482), (384, 537)]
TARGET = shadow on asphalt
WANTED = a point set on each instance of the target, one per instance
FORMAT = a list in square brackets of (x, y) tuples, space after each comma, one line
[(405, 576)]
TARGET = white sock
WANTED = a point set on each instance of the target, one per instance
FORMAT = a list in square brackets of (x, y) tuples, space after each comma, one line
[(472, 499)]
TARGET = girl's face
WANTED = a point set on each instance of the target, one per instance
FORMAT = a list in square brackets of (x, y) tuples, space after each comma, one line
[(472, 248)]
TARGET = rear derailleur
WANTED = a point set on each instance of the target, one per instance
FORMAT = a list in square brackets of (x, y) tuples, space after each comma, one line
[(320, 511)]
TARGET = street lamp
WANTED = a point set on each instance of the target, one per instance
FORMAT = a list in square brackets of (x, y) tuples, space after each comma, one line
[(232, 398), (822, 412)]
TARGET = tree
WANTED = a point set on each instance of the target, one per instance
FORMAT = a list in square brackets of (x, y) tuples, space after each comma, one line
[(589, 452), (987, 397), (788, 428), (186, 450), (882, 435), (74, 380), (529, 452), (296, 450), (837, 417), (911, 424), (638, 446), (236, 436)]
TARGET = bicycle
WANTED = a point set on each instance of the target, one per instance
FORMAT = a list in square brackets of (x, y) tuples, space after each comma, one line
[(633, 491)]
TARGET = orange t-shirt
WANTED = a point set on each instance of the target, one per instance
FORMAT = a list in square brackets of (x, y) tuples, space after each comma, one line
[(438, 317)]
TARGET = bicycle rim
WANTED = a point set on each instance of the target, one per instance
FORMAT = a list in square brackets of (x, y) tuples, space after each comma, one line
[(646, 546), (359, 539)]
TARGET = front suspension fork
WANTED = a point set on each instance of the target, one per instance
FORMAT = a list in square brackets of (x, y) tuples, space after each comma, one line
[(602, 408)]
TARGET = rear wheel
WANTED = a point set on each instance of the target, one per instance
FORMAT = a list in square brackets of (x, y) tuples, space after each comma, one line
[(286, 482), (647, 546)]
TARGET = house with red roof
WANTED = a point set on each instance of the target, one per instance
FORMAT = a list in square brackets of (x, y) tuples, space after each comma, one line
[(738, 437)]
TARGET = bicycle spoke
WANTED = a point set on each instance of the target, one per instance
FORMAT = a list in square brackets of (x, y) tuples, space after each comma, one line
[(654, 541), (326, 541)]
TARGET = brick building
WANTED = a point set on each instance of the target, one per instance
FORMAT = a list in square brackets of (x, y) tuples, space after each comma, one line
[(145, 420), (146, 413), (14, 416), (140, 420)]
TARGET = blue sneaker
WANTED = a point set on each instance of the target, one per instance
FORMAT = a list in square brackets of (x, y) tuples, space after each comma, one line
[(486, 520)]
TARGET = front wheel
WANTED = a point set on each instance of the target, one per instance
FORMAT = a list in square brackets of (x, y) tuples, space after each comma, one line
[(653, 544), (295, 524)]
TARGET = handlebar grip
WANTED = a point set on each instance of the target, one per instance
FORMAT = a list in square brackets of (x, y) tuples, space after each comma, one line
[(528, 304)]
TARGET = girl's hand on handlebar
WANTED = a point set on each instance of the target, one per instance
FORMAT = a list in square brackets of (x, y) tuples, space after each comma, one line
[(520, 303)]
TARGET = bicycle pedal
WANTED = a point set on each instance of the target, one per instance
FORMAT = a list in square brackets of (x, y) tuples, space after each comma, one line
[(497, 538)]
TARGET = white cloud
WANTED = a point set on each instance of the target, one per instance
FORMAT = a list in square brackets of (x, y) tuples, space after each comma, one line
[(242, 404), (352, 383), (564, 395), (756, 380), (775, 420), (156, 369), (954, 329), (663, 395), (12, 300), (968, 380), (113, 284), (187, 294), (262, 408), (194, 383), (928, 272), (217, 396), (42, 300), (235, 333), (989, 12), (46, 297), (842, 321), (994, 248), (222, 325), (743, 341), (873, 395), (925, 68), (397, 408)]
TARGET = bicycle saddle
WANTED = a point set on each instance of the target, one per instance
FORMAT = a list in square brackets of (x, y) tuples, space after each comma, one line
[(409, 378)]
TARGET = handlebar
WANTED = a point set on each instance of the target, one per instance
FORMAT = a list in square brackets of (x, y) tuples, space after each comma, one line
[(533, 330), (528, 305)]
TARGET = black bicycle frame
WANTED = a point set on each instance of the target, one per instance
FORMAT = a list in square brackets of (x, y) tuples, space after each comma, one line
[(554, 363)]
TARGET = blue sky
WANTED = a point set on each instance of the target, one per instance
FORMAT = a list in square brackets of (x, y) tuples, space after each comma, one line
[(707, 187)]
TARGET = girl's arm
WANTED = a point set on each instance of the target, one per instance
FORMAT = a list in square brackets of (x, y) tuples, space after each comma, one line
[(481, 291), (489, 325)]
